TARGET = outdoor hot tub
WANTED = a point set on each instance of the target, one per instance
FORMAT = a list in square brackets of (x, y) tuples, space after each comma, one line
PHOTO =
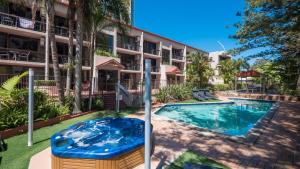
[(107, 143)]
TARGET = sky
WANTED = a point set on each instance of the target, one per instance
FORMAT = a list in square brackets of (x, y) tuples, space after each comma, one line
[(199, 23)]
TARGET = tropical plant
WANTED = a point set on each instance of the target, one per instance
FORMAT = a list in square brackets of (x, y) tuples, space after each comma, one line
[(229, 68), (273, 28), (16, 111), (81, 9), (221, 87), (7, 88), (101, 52), (199, 71), (99, 15), (175, 92), (49, 7)]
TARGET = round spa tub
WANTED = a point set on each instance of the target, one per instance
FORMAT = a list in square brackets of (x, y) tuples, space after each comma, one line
[(108, 143)]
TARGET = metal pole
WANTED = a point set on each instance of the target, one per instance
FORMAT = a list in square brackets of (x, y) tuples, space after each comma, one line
[(30, 108), (147, 97), (118, 97)]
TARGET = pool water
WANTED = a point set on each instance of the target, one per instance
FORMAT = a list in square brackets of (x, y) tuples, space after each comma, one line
[(99, 139), (234, 119)]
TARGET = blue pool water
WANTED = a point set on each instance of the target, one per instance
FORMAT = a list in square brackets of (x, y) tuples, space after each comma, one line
[(99, 139), (234, 119)]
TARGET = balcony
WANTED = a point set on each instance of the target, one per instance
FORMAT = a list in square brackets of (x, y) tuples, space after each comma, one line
[(25, 23), (151, 51), (177, 54), (131, 66), (129, 46), (20, 55), (155, 69)]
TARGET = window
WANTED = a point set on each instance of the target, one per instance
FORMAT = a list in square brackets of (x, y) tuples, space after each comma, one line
[(23, 43), (20, 10), (104, 42), (62, 48), (150, 47), (60, 21), (165, 57), (3, 40)]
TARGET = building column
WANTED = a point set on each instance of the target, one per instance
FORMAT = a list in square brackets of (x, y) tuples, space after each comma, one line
[(47, 48), (115, 37), (95, 80), (163, 76), (184, 66), (142, 56), (171, 54)]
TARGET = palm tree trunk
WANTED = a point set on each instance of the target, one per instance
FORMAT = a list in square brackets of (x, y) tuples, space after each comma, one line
[(50, 11), (71, 16), (78, 57), (92, 47), (298, 86), (47, 47)]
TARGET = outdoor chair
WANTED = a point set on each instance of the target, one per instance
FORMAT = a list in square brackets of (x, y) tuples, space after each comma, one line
[(209, 95), (23, 56)]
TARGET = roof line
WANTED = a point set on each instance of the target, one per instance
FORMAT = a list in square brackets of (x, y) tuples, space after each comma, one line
[(168, 39)]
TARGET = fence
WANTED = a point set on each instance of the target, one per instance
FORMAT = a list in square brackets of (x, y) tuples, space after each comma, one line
[(104, 90)]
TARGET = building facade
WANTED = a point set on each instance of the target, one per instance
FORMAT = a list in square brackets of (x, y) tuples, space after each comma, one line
[(22, 46)]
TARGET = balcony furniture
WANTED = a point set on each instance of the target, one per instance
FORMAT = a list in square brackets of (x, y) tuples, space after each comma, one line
[(23, 56), (14, 54), (62, 59), (4, 55)]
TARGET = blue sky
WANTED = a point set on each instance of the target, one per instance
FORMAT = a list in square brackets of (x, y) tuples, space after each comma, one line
[(200, 23)]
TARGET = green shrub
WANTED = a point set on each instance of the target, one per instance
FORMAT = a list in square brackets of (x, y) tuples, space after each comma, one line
[(101, 52), (174, 92), (69, 102), (163, 95), (97, 104), (44, 82), (221, 87), (16, 112)]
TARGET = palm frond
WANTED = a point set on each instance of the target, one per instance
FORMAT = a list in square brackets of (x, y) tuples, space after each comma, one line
[(11, 83)]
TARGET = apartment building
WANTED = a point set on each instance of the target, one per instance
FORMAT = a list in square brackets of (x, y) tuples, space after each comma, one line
[(22, 46), (215, 58)]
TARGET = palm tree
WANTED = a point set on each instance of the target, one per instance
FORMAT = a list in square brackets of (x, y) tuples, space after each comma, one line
[(98, 20), (49, 6), (80, 5), (199, 72), (71, 17)]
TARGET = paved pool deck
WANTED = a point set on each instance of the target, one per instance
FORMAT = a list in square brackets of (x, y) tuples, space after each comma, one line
[(277, 147)]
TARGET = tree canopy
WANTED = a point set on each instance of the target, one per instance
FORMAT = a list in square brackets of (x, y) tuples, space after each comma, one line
[(199, 71), (272, 27)]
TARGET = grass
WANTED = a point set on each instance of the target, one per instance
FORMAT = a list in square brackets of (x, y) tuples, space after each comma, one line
[(192, 157), (18, 154), (197, 101)]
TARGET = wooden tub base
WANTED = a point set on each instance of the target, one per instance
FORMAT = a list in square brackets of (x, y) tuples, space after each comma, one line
[(125, 161)]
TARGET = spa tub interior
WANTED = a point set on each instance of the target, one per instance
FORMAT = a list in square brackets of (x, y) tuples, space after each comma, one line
[(102, 143)]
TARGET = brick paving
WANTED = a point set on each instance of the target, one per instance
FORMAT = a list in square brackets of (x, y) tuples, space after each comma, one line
[(277, 147)]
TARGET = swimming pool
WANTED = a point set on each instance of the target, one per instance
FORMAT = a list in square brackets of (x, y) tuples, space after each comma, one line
[(234, 118)]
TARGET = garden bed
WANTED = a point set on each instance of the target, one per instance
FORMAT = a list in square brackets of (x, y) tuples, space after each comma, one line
[(38, 124)]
